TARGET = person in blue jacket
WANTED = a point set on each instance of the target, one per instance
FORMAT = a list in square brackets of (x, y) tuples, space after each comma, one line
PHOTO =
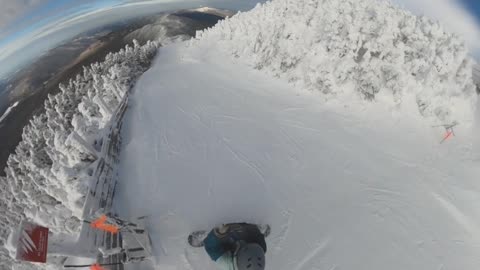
[(237, 246)]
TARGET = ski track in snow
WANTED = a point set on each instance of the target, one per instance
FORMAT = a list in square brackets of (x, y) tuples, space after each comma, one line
[(458, 216), (314, 253), (207, 141)]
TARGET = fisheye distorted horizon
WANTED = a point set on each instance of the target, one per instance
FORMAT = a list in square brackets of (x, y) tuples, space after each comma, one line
[(24, 25), (41, 24)]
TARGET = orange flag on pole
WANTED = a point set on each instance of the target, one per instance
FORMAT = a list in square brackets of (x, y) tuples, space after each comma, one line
[(100, 224), (96, 267), (448, 135)]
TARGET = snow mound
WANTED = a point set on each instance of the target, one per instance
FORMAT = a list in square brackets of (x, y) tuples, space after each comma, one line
[(351, 48)]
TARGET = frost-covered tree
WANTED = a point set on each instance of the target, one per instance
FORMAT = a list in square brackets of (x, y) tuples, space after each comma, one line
[(343, 48), (48, 176)]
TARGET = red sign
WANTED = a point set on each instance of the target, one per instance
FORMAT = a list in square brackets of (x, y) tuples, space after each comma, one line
[(32, 244)]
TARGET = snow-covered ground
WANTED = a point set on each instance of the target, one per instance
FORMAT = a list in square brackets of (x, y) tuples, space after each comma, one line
[(208, 140), (350, 175)]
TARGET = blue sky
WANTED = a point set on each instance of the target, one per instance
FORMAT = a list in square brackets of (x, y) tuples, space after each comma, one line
[(23, 23), (473, 6), (45, 13)]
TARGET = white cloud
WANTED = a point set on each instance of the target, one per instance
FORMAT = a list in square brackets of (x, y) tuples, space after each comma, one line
[(12, 9), (452, 15), (18, 51)]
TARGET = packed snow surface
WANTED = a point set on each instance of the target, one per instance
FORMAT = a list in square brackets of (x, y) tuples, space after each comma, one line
[(208, 140)]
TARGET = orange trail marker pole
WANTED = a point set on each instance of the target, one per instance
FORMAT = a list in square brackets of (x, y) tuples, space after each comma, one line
[(109, 228), (449, 134), (99, 221), (96, 267), (100, 224)]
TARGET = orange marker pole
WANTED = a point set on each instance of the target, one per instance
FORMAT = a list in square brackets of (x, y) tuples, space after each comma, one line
[(101, 224), (96, 267), (449, 134), (109, 228), (99, 221)]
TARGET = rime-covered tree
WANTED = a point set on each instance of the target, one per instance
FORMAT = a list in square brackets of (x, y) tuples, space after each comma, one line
[(47, 177), (345, 48)]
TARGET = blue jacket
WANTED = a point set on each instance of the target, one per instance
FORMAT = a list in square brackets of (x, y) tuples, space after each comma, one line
[(221, 247)]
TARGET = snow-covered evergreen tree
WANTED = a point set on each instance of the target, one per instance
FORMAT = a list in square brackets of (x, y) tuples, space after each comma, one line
[(344, 48), (48, 176)]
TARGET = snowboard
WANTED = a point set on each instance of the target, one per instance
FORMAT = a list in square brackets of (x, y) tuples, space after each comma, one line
[(195, 239)]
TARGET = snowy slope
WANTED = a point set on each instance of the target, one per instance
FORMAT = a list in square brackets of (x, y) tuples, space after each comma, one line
[(208, 141)]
